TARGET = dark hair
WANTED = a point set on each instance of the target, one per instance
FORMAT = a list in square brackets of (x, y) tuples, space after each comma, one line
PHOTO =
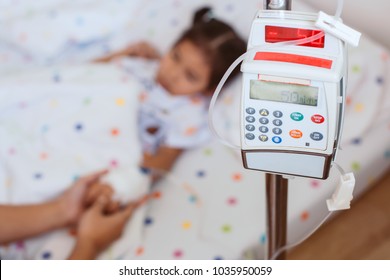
[(218, 41)]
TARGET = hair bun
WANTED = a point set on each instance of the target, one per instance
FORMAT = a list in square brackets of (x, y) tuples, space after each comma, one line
[(204, 14)]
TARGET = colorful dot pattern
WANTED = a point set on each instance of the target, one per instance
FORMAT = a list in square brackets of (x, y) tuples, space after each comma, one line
[(223, 210)]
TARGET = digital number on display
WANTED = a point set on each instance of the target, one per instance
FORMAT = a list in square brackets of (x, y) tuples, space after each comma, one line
[(285, 93)]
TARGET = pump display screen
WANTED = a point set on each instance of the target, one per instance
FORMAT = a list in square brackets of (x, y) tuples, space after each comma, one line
[(282, 92), (275, 34)]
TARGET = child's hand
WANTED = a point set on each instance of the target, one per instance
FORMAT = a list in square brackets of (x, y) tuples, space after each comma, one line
[(141, 49), (101, 189)]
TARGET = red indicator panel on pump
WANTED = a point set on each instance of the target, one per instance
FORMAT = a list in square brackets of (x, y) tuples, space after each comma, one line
[(276, 34)]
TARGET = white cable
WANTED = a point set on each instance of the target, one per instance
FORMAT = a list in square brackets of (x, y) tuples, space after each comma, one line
[(340, 6), (223, 81), (228, 72), (339, 168), (287, 247), (177, 182), (344, 175)]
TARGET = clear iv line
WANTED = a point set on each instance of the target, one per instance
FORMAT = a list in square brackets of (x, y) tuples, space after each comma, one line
[(228, 72), (289, 246), (337, 16), (177, 182), (340, 5), (223, 81)]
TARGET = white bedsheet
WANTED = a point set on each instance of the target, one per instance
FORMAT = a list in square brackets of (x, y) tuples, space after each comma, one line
[(56, 126), (209, 207)]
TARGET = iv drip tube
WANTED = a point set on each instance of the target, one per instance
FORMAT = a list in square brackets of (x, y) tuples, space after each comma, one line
[(340, 5), (249, 53)]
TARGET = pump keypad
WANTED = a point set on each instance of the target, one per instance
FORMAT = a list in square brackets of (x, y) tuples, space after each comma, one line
[(275, 127), (264, 121)]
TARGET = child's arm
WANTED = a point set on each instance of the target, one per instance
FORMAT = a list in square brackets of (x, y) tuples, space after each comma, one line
[(162, 160), (141, 49)]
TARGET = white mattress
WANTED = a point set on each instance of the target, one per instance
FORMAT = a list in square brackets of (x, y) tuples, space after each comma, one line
[(210, 207)]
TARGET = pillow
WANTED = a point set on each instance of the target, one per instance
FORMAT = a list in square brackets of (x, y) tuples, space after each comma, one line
[(46, 29)]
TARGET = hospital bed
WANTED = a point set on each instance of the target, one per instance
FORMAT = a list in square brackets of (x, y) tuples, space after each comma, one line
[(52, 130)]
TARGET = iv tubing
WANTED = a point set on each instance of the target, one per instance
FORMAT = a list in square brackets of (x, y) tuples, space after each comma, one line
[(276, 254), (223, 81), (249, 53), (340, 5)]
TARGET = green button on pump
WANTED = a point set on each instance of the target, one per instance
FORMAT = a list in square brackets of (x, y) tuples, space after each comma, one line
[(296, 116)]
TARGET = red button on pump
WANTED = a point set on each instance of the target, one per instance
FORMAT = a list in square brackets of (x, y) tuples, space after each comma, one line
[(317, 119)]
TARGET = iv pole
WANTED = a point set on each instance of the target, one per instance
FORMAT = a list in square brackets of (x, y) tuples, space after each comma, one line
[(276, 185)]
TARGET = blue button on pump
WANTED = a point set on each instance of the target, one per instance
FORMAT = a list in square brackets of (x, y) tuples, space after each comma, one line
[(276, 139)]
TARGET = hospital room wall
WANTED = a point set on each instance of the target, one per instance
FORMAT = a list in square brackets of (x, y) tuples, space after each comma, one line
[(368, 16)]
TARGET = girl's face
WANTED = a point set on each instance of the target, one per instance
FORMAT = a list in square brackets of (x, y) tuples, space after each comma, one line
[(184, 70)]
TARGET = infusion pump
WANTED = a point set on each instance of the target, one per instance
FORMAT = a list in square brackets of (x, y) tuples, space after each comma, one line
[(292, 97)]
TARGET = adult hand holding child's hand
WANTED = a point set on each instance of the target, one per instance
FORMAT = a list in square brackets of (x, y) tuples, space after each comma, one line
[(98, 229), (100, 220), (73, 202), (87, 203)]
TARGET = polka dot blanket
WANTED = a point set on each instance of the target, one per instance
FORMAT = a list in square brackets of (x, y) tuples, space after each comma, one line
[(54, 129), (209, 206)]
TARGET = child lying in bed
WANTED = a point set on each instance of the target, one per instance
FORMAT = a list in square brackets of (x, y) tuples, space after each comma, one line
[(174, 101)]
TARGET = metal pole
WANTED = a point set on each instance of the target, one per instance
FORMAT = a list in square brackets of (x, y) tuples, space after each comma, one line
[(276, 196), (276, 187)]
